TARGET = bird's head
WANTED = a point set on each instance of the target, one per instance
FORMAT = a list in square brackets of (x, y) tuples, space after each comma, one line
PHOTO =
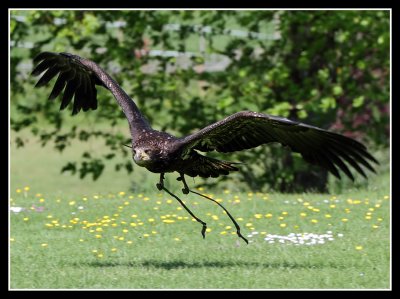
[(144, 156)]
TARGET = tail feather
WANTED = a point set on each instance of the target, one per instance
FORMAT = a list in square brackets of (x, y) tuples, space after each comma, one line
[(208, 167)]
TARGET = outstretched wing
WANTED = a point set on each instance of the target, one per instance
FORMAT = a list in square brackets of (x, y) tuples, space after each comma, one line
[(244, 130), (77, 80)]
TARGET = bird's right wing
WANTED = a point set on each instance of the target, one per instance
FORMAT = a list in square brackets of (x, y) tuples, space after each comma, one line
[(245, 130), (77, 79)]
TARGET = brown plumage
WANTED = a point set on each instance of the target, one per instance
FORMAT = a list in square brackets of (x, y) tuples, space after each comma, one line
[(161, 152)]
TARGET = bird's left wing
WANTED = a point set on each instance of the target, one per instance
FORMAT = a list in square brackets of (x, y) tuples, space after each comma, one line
[(245, 130)]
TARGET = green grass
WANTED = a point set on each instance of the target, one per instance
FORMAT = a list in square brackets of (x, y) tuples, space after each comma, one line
[(76, 234), (138, 241)]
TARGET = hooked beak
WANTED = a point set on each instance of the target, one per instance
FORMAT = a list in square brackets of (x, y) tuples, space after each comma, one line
[(140, 157)]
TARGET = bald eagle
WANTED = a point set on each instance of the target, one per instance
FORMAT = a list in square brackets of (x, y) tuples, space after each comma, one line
[(162, 153)]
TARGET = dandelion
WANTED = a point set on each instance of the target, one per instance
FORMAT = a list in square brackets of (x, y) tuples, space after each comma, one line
[(125, 231), (26, 188), (41, 200), (208, 230), (345, 219), (12, 239), (214, 217), (375, 226), (359, 247), (26, 219), (328, 216), (81, 240), (98, 236), (146, 235), (332, 206), (177, 239), (228, 227), (44, 244), (171, 221), (18, 190), (71, 203), (100, 255), (282, 225), (303, 214), (269, 215), (151, 219), (113, 249), (153, 232), (223, 233), (314, 221), (121, 238), (249, 224), (121, 193), (129, 242)]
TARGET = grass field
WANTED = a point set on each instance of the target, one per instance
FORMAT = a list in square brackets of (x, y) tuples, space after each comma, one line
[(75, 234)]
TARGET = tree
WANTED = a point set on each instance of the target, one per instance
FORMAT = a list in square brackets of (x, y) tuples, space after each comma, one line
[(328, 68)]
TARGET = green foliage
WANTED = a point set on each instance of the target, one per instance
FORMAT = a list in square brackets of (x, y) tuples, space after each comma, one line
[(327, 68)]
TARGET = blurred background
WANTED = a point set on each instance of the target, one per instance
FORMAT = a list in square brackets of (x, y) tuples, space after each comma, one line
[(187, 69)]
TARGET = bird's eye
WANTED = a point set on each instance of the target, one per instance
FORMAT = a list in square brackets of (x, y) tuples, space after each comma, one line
[(146, 151)]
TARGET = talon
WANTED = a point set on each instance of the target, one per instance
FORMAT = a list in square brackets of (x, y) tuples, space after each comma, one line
[(159, 186), (203, 231), (185, 191)]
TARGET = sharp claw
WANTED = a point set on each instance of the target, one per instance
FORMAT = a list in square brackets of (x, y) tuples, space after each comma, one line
[(203, 231), (159, 186), (185, 191)]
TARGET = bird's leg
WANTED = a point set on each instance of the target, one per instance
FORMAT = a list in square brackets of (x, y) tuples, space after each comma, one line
[(160, 185), (230, 216), (185, 189), (203, 230)]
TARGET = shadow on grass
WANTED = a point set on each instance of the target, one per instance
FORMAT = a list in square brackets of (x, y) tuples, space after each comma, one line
[(181, 264)]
